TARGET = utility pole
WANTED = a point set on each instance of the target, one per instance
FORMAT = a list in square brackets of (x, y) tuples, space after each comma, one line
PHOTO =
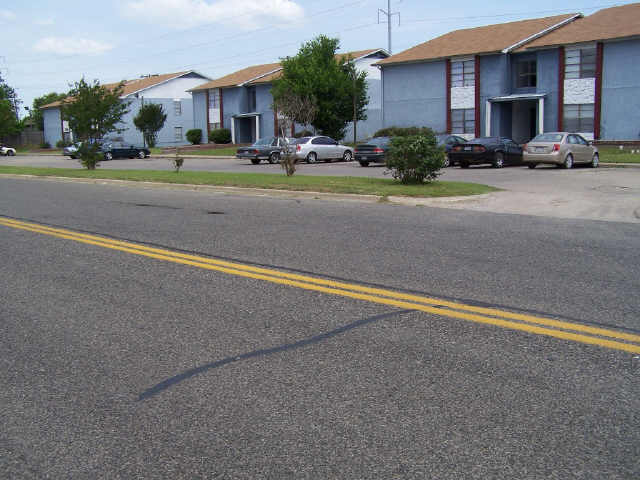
[(389, 15)]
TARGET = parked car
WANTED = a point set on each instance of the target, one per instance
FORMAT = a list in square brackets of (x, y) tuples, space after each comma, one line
[(7, 151), (374, 151), (312, 149), (113, 150), (497, 151), (71, 150), (448, 142), (268, 148), (562, 149)]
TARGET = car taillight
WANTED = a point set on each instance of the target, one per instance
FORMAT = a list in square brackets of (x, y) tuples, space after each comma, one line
[(298, 148), (478, 149), (256, 151), (378, 150), (556, 147), (457, 148)]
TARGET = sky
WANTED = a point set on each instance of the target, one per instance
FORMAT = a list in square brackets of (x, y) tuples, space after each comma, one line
[(46, 45)]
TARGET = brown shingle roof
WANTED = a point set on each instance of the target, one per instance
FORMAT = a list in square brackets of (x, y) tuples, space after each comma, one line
[(132, 86), (606, 24), (487, 39), (260, 74)]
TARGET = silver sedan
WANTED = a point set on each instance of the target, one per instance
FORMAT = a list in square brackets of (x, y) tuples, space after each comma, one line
[(562, 149), (312, 149)]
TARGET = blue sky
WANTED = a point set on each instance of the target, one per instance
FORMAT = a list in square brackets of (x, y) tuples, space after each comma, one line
[(45, 45)]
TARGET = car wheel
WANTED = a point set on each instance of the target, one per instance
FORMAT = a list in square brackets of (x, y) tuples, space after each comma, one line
[(364, 164), (347, 156), (498, 161), (255, 161), (464, 165), (11, 153), (274, 157), (312, 158), (568, 162), (447, 162), (532, 165), (108, 156), (141, 154), (595, 161)]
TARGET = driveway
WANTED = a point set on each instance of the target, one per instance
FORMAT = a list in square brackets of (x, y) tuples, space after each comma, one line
[(608, 194)]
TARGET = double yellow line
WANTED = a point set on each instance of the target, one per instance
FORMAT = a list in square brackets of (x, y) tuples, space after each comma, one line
[(618, 340)]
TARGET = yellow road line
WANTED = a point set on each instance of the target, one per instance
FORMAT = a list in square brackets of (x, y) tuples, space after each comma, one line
[(396, 299)]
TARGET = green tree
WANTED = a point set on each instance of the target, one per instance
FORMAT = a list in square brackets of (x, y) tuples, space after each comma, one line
[(415, 158), (36, 113), (9, 103), (150, 120), (93, 111), (340, 92)]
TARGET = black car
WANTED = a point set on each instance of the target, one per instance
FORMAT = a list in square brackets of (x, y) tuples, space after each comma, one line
[(448, 142), (113, 150), (374, 151), (268, 148), (497, 151)]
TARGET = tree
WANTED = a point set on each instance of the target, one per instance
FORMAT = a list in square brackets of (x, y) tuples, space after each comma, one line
[(93, 111), (292, 109), (339, 92), (150, 120), (36, 113), (9, 103), (415, 158)]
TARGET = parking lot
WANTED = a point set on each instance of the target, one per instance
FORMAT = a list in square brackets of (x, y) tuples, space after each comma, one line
[(609, 194)]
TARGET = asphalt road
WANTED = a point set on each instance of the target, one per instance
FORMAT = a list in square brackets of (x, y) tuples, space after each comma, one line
[(117, 364)]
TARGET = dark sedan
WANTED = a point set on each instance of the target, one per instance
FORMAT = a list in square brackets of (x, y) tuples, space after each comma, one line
[(448, 142), (119, 150), (496, 151), (374, 151), (268, 148)]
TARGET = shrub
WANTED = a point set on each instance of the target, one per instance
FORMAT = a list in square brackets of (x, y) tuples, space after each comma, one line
[(303, 133), (220, 135), (403, 131), (90, 155), (62, 144), (178, 161), (415, 158), (45, 145), (194, 136)]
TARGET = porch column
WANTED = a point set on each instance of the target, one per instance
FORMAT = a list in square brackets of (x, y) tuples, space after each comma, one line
[(257, 127), (540, 115), (233, 130), (487, 118)]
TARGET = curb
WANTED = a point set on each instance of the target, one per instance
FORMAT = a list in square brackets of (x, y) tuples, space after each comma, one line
[(620, 165)]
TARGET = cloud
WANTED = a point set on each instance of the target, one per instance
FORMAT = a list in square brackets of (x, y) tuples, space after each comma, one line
[(190, 13), (71, 46), (6, 16)]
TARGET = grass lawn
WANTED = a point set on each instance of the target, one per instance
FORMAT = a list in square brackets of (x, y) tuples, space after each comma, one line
[(215, 152), (615, 155), (382, 187)]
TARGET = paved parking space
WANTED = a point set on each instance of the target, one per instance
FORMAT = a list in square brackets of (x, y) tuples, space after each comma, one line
[(610, 194)]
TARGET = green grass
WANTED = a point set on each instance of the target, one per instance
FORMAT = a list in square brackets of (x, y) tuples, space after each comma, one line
[(615, 155), (214, 152), (382, 187)]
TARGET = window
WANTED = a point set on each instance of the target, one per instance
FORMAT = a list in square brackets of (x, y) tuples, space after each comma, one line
[(580, 63), (214, 98), (526, 74), (177, 107), (252, 99), (463, 121), (578, 118), (214, 126), (177, 131), (463, 74)]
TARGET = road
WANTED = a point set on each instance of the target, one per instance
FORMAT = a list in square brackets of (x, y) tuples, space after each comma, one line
[(154, 333)]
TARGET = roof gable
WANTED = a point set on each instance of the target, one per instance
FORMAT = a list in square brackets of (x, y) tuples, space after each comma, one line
[(480, 40)]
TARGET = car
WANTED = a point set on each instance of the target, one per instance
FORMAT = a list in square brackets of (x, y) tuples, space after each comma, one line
[(268, 148), (496, 151), (312, 149), (448, 142), (562, 149), (71, 150), (373, 151), (7, 151), (113, 150)]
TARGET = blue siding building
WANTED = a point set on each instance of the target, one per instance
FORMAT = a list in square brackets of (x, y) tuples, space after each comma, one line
[(518, 79), (168, 90)]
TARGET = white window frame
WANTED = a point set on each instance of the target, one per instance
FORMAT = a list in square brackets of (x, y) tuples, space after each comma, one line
[(177, 107), (177, 134), (463, 72)]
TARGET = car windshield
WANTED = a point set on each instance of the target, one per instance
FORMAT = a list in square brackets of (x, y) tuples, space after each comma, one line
[(264, 141), (485, 140), (548, 137), (379, 141)]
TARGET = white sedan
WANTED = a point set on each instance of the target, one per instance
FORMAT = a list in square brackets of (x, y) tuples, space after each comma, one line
[(312, 149), (8, 151)]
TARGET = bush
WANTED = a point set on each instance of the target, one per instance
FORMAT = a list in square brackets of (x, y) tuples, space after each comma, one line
[(303, 133), (403, 131), (90, 155), (194, 136), (62, 144), (220, 135), (45, 145), (415, 158)]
